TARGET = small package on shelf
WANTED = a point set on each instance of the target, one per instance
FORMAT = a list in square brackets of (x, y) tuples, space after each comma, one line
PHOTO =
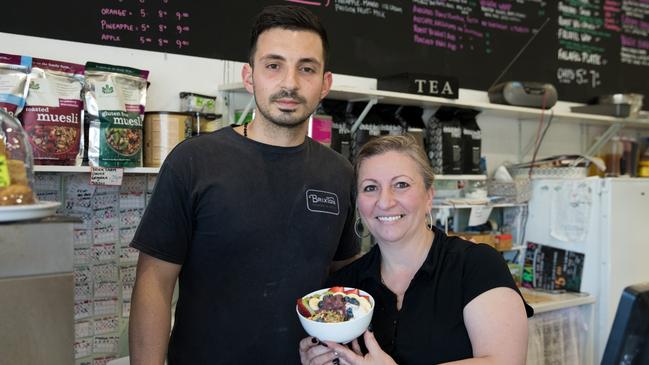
[(444, 142)]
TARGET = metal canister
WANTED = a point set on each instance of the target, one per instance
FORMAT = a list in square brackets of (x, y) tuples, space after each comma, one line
[(162, 132)]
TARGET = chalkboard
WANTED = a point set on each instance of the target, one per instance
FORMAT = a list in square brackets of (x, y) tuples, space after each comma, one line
[(587, 48)]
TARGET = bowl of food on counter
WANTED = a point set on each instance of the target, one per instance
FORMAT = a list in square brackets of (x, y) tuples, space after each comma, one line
[(338, 314)]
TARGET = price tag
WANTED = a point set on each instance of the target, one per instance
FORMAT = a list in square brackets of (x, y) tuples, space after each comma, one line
[(106, 176), (479, 215)]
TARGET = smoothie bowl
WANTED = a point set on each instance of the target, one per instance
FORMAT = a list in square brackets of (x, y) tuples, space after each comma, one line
[(338, 314)]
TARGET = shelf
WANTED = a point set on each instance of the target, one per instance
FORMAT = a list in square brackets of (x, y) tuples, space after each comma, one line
[(546, 302), (469, 206), (507, 111), (86, 169), (461, 177)]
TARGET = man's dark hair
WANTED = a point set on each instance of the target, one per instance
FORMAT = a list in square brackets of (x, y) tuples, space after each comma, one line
[(287, 17)]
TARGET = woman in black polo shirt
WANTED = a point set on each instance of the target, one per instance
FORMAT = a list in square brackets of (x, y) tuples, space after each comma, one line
[(438, 298)]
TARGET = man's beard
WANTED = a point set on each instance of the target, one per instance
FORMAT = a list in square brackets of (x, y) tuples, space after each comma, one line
[(287, 119)]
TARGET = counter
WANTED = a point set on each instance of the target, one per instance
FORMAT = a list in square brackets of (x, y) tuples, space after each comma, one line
[(37, 292)]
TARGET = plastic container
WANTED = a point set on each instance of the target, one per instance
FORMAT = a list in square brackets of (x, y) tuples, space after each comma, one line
[(16, 163), (516, 191), (206, 123), (192, 102), (475, 189), (162, 132)]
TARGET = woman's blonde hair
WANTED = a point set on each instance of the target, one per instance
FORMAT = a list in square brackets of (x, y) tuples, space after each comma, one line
[(400, 143)]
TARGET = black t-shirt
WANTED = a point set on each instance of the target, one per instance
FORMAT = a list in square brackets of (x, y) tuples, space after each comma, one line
[(254, 227), (429, 328)]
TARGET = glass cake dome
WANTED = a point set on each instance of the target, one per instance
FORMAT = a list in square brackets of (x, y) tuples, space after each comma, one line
[(16, 163)]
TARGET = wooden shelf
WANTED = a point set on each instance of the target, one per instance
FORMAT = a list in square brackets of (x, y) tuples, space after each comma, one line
[(545, 302), (507, 111), (86, 169)]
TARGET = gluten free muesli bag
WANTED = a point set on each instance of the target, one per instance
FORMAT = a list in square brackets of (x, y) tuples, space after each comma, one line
[(115, 98), (53, 114), (14, 75)]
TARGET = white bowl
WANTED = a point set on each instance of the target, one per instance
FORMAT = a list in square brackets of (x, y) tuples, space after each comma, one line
[(340, 332)]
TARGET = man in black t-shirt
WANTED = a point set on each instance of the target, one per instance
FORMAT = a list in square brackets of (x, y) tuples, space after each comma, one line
[(246, 218)]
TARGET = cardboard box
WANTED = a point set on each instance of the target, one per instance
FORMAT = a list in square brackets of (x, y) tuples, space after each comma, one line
[(486, 238), (503, 242)]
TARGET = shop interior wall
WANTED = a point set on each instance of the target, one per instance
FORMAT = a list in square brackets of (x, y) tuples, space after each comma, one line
[(504, 139)]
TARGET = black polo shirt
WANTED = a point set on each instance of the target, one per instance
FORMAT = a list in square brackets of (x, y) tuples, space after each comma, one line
[(429, 328)]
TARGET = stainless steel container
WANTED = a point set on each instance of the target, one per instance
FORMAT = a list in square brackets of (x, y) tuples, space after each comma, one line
[(634, 100)]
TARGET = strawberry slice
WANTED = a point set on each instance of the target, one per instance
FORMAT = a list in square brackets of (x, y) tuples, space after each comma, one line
[(303, 308), (337, 289), (352, 291)]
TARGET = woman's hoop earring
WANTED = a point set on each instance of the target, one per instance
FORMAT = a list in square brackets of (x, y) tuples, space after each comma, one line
[(431, 223), (358, 220)]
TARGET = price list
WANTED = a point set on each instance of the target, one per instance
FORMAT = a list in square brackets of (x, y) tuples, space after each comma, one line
[(585, 29), (377, 9), (460, 25), (633, 26), (157, 25)]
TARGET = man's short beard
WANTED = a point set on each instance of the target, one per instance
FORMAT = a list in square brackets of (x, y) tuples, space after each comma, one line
[(289, 121)]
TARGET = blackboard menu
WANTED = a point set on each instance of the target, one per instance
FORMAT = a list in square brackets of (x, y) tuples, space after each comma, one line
[(587, 48)]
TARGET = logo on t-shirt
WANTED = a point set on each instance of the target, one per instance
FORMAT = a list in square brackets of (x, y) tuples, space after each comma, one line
[(322, 202)]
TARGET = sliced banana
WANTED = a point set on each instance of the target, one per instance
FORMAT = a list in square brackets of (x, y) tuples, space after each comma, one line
[(355, 296), (364, 304), (313, 303)]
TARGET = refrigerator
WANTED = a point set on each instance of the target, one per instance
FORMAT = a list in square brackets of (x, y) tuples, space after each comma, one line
[(606, 219)]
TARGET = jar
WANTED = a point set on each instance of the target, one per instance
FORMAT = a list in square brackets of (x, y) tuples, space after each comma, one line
[(205, 123), (612, 156), (16, 163), (162, 132), (643, 168)]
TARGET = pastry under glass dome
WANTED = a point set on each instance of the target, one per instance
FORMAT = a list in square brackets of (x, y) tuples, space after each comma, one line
[(16, 163)]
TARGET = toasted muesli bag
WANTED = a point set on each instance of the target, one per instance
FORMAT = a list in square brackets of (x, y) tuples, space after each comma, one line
[(53, 115), (115, 98)]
